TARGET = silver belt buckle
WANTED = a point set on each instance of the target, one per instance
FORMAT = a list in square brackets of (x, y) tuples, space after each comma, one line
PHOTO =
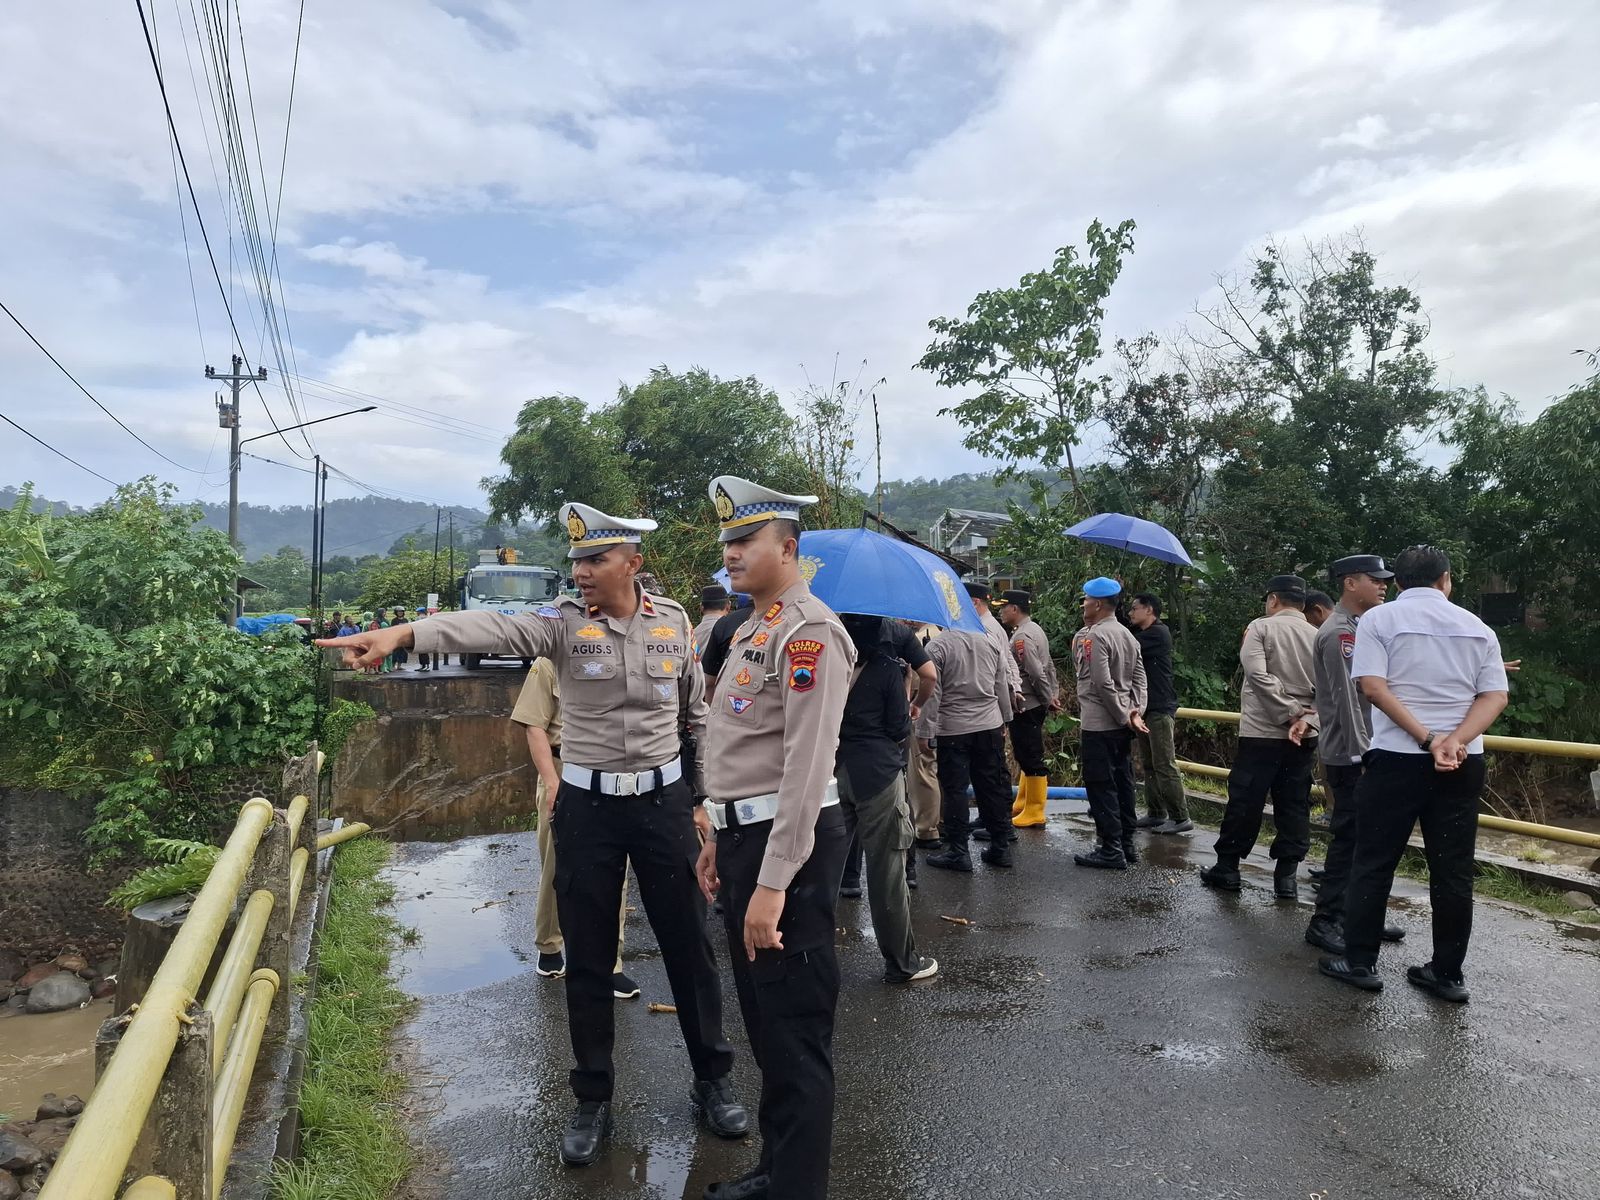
[(627, 783)]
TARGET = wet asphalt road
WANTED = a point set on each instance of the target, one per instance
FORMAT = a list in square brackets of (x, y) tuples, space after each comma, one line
[(1092, 1034)]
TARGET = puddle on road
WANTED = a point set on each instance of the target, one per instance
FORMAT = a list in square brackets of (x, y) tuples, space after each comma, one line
[(1184, 1054), (453, 899), (47, 1052)]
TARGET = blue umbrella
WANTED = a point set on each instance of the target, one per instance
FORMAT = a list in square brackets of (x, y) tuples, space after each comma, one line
[(859, 571), (1131, 533)]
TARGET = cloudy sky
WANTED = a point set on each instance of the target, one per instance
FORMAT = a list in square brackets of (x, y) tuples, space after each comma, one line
[(489, 200)]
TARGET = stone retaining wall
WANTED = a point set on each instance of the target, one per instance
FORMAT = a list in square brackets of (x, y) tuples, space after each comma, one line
[(442, 757)]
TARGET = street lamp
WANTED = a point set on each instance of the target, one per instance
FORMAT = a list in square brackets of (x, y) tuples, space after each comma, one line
[(233, 479)]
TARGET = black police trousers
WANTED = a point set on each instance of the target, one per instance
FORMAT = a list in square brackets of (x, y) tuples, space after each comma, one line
[(596, 837), (788, 998), (1027, 740), (1108, 778), (1342, 780), (1260, 766), (1395, 793), (978, 759)]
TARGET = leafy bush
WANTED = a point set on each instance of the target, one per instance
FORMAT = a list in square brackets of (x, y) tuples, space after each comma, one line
[(338, 724), (184, 867), (121, 677)]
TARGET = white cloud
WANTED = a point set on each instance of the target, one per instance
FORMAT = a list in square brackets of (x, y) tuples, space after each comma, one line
[(1458, 139)]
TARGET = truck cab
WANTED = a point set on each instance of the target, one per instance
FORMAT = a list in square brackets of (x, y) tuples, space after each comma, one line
[(505, 587)]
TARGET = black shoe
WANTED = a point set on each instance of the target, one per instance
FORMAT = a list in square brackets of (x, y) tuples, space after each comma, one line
[(932, 843), (1104, 857), (1130, 852), (951, 859), (1316, 872), (1453, 990), (747, 1187), (1365, 978), (624, 988), (580, 1144), (980, 835), (1326, 935), (1392, 933), (911, 870), (998, 855), (723, 1115), (1149, 822), (551, 966), (1285, 880), (1219, 876), (850, 891)]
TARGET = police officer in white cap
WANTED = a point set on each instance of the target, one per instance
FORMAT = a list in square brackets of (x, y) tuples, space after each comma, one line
[(631, 686), (781, 838)]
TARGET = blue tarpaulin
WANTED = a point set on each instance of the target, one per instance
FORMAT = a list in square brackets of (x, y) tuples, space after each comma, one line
[(256, 626)]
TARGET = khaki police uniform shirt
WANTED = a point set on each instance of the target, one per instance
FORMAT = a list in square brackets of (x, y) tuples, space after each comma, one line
[(629, 686), (972, 675), (1277, 655), (1031, 646), (1111, 679), (1344, 713), (997, 635), (774, 721), (702, 631), (539, 702)]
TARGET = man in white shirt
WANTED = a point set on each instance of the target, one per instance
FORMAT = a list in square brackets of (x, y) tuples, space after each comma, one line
[(1436, 680)]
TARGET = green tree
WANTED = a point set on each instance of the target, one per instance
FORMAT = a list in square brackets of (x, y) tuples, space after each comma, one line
[(406, 578), (120, 680), (1029, 350)]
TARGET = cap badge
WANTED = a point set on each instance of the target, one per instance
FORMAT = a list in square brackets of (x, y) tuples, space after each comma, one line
[(724, 504), (576, 529)]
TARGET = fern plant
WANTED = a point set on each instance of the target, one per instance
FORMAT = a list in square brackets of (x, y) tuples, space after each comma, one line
[(184, 867)]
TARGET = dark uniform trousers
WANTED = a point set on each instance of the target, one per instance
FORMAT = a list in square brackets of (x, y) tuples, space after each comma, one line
[(977, 759), (1342, 779), (1027, 740), (788, 999), (1279, 767), (596, 837), (1108, 778), (1397, 791)]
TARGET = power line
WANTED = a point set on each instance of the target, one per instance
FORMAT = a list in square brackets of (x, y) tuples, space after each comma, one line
[(29, 333), (315, 392), (56, 452), (172, 129), (414, 408)]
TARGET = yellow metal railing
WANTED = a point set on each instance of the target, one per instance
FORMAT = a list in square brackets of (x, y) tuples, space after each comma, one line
[(231, 1023), (1505, 745)]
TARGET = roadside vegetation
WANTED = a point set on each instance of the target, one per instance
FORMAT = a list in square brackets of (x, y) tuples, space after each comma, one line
[(353, 1143)]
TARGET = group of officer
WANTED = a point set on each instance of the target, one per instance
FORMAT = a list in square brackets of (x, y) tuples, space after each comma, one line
[(663, 773)]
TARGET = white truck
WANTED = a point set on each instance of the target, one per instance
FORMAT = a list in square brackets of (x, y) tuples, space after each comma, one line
[(505, 587)]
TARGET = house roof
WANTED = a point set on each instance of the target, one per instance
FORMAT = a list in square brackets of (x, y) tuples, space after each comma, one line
[(976, 514), (893, 530)]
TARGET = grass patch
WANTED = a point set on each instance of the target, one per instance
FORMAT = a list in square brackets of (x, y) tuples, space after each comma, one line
[(353, 1144)]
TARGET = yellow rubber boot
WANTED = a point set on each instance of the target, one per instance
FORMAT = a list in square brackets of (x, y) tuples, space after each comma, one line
[(1033, 806), (1021, 801)]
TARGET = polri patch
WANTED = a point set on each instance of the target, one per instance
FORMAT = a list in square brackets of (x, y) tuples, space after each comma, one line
[(1347, 645), (743, 677), (1020, 649), (549, 613), (803, 655), (739, 704), (664, 690), (668, 666), (593, 670)]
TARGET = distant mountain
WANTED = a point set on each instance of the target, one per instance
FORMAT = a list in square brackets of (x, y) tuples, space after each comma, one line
[(915, 504)]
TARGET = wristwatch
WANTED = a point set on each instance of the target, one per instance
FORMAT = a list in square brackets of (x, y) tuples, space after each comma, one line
[(1427, 743)]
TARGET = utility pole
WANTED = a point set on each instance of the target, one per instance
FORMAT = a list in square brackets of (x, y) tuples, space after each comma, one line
[(451, 582), (316, 544), (434, 562), (228, 418)]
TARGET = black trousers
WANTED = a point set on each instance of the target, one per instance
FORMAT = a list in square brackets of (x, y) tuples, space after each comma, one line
[(1262, 766), (1108, 778), (596, 837), (1342, 780), (978, 759), (1027, 740), (788, 998), (1395, 793)]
